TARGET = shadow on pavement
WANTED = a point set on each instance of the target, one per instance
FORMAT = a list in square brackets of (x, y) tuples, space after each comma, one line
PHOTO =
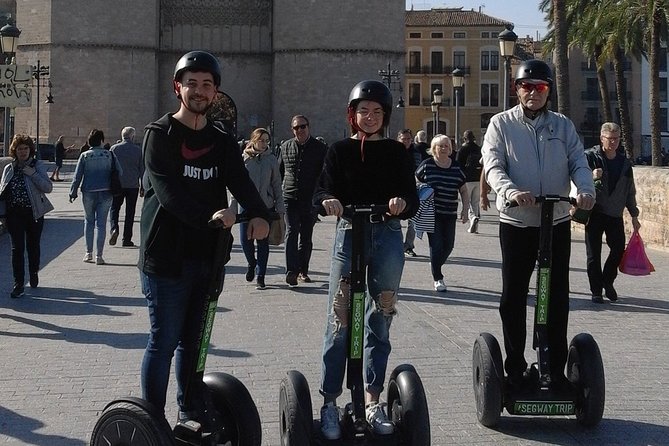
[(67, 301), (14, 425)]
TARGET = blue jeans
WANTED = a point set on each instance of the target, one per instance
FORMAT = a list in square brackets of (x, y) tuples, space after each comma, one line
[(175, 311), (441, 242), (300, 221), (96, 210), (249, 248), (385, 262)]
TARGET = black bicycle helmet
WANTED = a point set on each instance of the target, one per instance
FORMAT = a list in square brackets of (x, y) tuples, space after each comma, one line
[(376, 91), (198, 61), (534, 69)]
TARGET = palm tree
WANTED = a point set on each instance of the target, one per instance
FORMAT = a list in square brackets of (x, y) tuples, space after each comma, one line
[(560, 26), (659, 19)]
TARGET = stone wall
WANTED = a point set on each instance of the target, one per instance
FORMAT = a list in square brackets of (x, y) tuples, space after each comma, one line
[(652, 194)]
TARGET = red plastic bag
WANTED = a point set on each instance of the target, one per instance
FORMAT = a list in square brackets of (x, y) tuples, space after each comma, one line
[(634, 261)]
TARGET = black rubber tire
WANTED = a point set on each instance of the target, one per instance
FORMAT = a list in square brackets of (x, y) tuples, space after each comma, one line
[(123, 423), (585, 370), (488, 378), (407, 407), (236, 408), (295, 410)]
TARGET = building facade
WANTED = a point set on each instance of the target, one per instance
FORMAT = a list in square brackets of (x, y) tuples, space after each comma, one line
[(111, 63)]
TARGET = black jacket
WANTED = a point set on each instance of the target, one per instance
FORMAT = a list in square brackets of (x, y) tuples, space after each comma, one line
[(469, 158), (186, 176), (300, 167)]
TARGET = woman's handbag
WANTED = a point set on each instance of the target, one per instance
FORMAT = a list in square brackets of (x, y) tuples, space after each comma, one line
[(634, 261), (277, 231), (115, 184)]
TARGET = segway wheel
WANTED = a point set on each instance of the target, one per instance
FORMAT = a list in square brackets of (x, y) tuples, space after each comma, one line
[(238, 413), (407, 406), (125, 423), (295, 410), (585, 371), (488, 376)]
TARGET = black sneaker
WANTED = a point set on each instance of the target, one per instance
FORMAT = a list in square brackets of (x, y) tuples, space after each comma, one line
[(260, 283), (113, 237), (34, 280), (291, 279), (17, 291), (250, 272), (597, 299), (611, 293), (128, 245), (410, 252)]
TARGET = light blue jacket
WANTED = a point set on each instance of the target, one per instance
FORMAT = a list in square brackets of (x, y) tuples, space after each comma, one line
[(542, 156), (93, 171)]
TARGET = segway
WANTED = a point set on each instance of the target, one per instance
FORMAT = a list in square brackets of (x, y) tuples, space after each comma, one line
[(583, 396), (407, 404), (230, 415)]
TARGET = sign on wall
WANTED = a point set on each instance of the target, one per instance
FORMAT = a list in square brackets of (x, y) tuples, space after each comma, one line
[(15, 85)]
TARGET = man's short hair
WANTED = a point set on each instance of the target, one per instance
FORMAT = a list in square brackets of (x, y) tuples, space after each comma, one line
[(421, 136), (299, 117), (404, 132), (128, 133), (610, 127)]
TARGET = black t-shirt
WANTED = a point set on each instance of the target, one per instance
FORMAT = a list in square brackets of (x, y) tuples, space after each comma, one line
[(615, 168)]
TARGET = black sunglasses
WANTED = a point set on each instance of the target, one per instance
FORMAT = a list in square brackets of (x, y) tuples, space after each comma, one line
[(300, 127)]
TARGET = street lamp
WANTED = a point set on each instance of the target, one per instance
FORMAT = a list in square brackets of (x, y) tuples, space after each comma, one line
[(458, 82), (9, 35), (507, 45), (40, 71), (388, 76), (436, 96), (435, 109)]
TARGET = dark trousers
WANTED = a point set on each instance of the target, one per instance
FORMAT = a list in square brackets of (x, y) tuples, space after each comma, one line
[(25, 233), (614, 229), (519, 256), (441, 242), (130, 197), (300, 220)]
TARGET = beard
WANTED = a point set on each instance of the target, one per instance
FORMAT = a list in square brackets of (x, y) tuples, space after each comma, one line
[(196, 105)]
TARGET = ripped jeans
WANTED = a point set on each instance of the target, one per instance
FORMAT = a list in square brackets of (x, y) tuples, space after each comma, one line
[(385, 262)]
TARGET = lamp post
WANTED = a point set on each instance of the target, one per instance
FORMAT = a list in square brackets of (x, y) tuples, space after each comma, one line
[(436, 96), (388, 75), (458, 82), (9, 35), (435, 108), (40, 71), (507, 45)]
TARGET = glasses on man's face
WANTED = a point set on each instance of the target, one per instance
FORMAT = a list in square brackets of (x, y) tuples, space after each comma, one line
[(530, 87), (611, 138), (300, 127)]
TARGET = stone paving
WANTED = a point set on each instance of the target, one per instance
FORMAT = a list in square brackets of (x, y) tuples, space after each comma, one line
[(76, 342)]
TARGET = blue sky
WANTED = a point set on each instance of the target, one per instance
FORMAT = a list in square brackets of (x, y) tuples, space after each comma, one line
[(527, 18)]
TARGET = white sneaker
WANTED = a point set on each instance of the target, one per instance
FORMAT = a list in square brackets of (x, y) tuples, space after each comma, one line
[(378, 420), (439, 286), (99, 260), (88, 257), (473, 226), (330, 422)]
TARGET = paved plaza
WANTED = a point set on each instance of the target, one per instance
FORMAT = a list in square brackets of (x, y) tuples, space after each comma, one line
[(76, 342)]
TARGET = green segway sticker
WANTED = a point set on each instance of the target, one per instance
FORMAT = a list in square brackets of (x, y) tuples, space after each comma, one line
[(206, 336), (544, 408), (358, 321), (543, 292)]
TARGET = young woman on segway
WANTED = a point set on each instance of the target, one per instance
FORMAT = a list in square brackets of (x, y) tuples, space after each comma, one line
[(366, 168)]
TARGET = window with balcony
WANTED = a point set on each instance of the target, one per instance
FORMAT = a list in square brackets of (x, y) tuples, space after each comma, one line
[(489, 60), (414, 62), (458, 59), (414, 93), (437, 62), (489, 95)]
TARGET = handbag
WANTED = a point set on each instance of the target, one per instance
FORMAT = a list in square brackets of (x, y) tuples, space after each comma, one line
[(635, 262), (115, 180), (277, 231)]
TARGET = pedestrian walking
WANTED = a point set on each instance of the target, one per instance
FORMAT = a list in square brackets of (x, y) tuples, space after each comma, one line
[(263, 169), (129, 156), (93, 174), (447, 180), (301, 164), (614, 178), (23, 186), (529, 151), (366, 168), (59, 156), (469, 158), (190, 162)]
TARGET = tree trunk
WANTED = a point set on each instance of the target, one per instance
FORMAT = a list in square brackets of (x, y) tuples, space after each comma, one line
[(561, 60), (621, 88), (654, 87), (603, 87)]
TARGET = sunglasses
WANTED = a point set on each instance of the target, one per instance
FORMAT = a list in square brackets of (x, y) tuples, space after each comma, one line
[(300, 127), (529, 87)]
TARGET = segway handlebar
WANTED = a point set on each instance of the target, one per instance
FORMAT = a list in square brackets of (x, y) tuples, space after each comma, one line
[(217, 223), (351, 210), (542, 198)]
